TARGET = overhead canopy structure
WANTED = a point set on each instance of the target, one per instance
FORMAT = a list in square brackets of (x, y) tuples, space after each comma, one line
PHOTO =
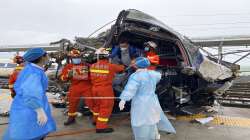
[(222, 41), (13, 48)]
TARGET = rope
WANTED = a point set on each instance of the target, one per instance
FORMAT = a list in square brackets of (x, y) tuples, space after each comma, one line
[(96, 97), (101, 28)]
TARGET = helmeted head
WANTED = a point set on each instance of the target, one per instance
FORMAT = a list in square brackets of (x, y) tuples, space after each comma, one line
[(18, 59), (74, 53), (75, 56), (35, 55), (142, 62), (150, 45), (102, 53)]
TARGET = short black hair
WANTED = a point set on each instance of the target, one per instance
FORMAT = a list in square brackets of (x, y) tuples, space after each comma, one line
[(39, 59), (123, 40)]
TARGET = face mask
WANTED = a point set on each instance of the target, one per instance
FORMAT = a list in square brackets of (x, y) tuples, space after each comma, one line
[(76, 60), (123, 49), (46, 61), (146, 49)]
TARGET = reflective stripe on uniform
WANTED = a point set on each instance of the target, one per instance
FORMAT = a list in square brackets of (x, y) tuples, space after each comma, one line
[(72, 114), (95, 114), (102, 119), (99, 71), (19, 68), (63, 78)]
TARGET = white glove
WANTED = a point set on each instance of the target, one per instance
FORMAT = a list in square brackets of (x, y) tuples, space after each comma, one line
[(122, 104), (41, 117)]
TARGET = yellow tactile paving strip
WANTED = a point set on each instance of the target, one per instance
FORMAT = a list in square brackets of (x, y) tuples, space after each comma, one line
[(231, 121), (220, 120), (190, 117)]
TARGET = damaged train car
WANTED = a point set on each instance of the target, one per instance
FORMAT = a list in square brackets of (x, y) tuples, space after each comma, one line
[(189, 77)]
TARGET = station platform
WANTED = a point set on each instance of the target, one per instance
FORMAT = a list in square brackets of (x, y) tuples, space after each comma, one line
[(229, 124)]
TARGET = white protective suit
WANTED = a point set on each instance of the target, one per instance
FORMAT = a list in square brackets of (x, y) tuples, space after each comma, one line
[(146, 113)]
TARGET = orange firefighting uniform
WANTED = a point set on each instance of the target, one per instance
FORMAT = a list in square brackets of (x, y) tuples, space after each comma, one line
[(102, 74), (80, 86), (153, 58), (12, 79)]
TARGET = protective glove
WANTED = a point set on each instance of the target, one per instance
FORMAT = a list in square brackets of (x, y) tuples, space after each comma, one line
[(122, 104), (70, 74), (158, 136), (41, 117)]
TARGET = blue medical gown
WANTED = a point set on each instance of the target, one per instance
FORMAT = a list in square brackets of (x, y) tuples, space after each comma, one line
[(145, 106), (30, 90)]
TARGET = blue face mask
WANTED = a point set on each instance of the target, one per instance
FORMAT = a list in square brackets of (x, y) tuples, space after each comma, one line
[(76, 60), (146, 49)]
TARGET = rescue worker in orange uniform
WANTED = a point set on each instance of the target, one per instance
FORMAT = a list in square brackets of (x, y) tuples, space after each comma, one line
[(150, 52), (102, 74), (12, 79), (77, 73)]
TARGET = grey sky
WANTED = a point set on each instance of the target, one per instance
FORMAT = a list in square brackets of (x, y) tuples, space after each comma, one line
[(41, 21)]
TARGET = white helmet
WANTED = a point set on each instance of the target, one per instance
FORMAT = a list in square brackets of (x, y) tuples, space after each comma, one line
[(151, 44), (102, 51)]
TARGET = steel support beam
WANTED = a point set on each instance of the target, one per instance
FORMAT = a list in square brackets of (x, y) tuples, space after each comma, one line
[(241, 58)]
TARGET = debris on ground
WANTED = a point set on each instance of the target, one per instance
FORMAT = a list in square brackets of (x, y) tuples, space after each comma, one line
[(204, 120), (4, 114)]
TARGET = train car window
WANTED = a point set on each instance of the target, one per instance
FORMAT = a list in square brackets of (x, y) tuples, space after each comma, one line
[(2, 65), (9, 65)]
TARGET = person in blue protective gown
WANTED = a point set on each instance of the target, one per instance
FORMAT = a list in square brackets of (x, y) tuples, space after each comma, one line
[(30, 114), (147, 116)]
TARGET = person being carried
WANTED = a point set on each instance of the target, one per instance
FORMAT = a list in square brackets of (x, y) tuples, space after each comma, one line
[(124, 53)]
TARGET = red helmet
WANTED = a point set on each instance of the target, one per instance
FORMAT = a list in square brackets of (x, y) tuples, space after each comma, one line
[(74, 53), (18, 59)]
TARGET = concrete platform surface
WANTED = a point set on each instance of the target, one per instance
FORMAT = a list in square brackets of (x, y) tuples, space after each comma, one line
[(84, 130)]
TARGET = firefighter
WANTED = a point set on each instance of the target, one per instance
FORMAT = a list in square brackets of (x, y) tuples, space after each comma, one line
[(150, 52), (77, 73), (12, 79), (102, 74)]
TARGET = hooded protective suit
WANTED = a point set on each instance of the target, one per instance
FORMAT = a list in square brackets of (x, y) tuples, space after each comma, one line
[(146, 113), (30, 90)]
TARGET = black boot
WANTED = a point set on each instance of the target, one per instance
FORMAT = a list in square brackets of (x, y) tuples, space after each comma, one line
[(105, 130), (87, 113), (71, 120)]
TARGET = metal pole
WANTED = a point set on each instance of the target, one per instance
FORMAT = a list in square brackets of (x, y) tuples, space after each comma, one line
[(234, 52), (241, 58), (220, 56)]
